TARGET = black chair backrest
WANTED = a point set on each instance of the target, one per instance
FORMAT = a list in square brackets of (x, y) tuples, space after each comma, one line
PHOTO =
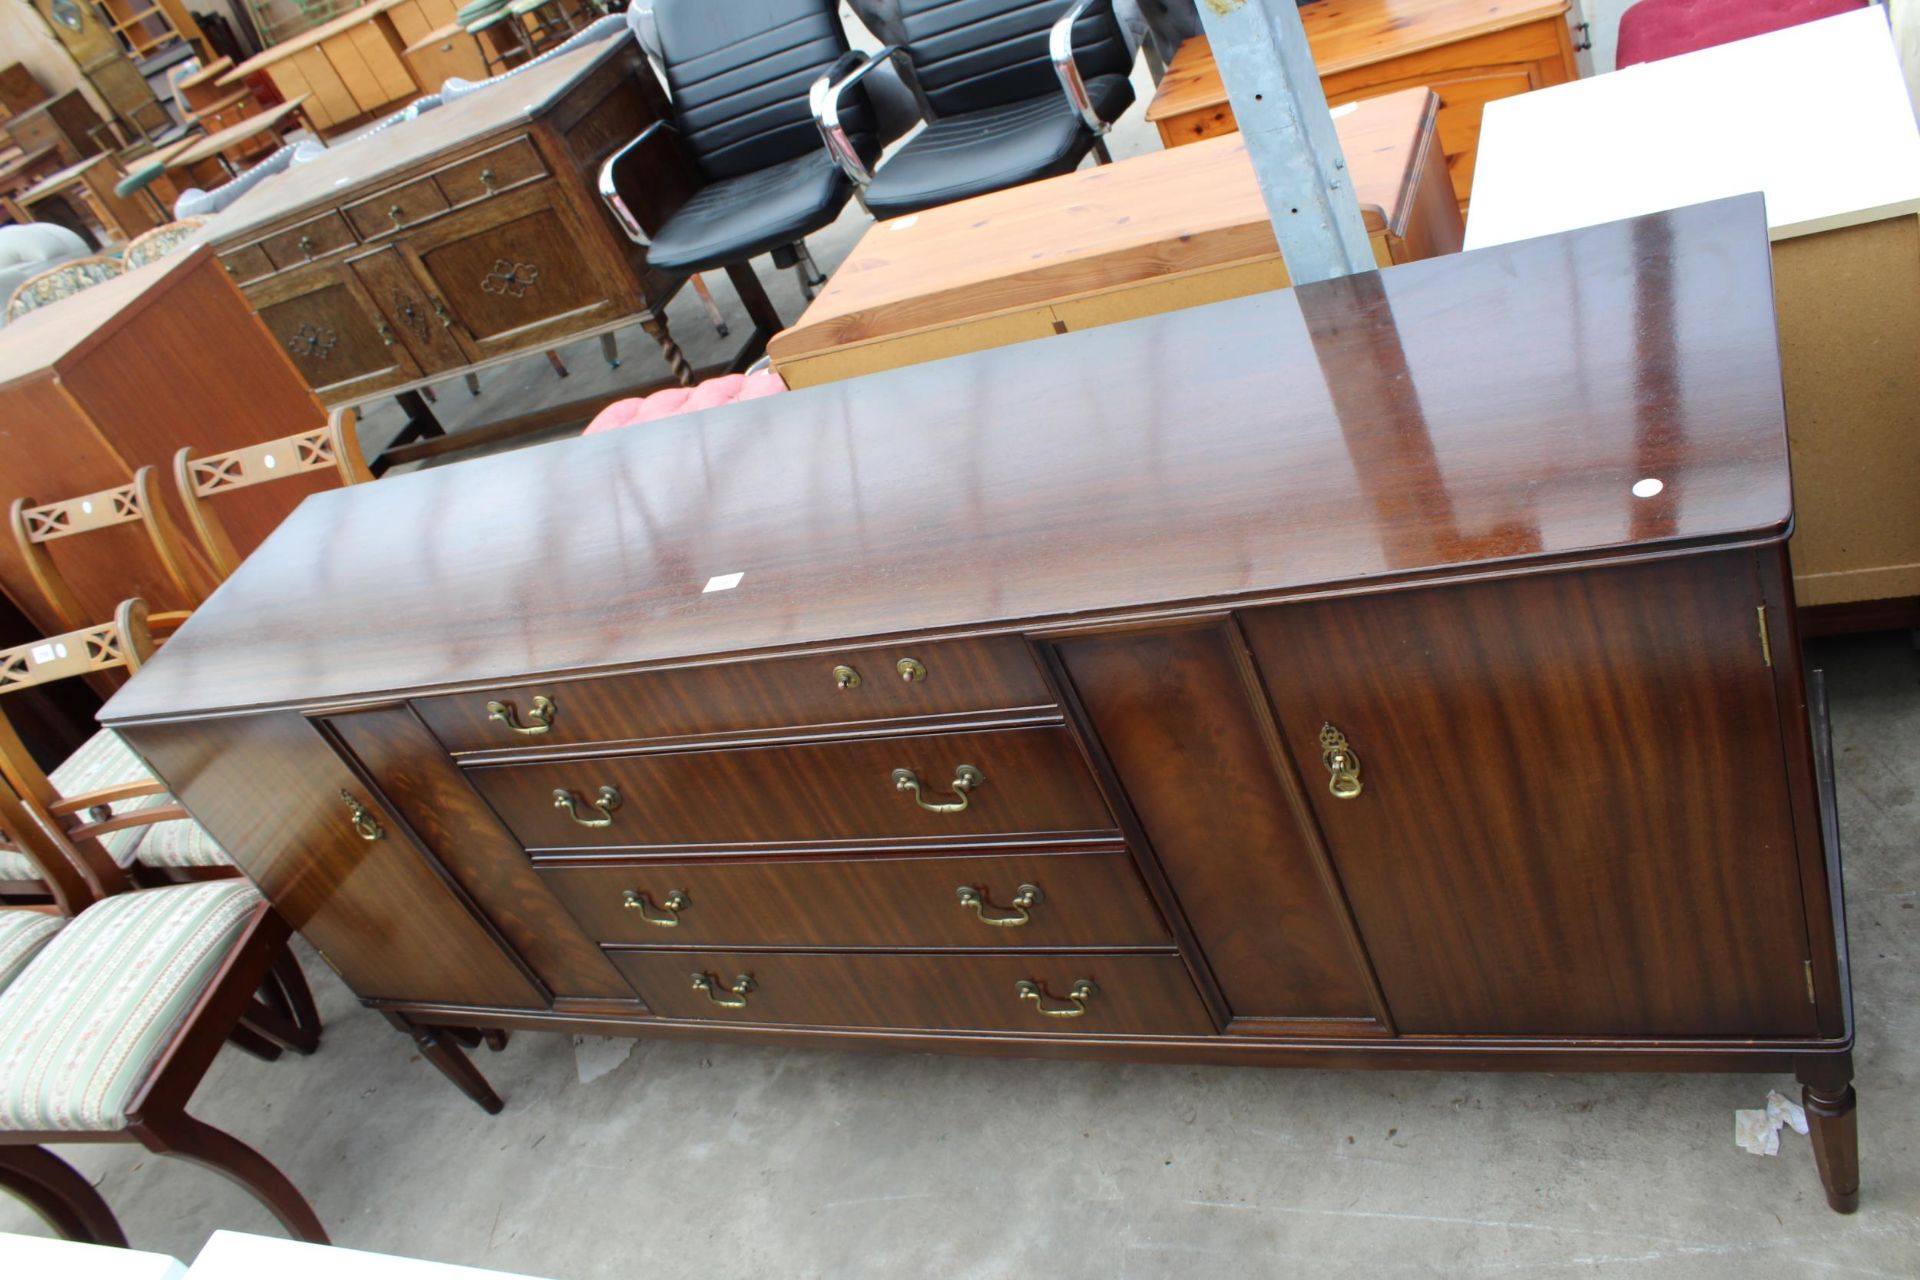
[(739, 71), (971, 54)]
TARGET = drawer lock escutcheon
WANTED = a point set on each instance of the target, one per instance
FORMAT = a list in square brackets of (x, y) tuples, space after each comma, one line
[(733, 997), (1074, 1006), (365, 825), (608, 799), (1024, 901), (1342, 762), (965, 779), (540, 717), (667, 915)]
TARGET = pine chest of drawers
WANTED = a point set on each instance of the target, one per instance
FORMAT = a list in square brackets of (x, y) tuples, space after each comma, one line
[(1398, 671)]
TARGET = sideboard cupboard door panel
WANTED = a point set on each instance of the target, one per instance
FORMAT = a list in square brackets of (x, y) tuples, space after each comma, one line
[(1572, 816), (1134, 994), (408, 307), (331, 327), (268, 788), (427, 790), (1025, 781), (1184, 737)]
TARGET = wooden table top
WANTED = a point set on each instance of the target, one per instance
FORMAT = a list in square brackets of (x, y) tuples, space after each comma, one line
[(308, 39), (1346, 34), (1432, 418), (1159, 214), (55, 181), (234, 134), (348, 168), (439, 35), (1816, 116)]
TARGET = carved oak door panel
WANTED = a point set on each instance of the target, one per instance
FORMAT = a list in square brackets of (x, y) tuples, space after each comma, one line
[(338, 339), (1558, 804), (416, 315), (515, 270)]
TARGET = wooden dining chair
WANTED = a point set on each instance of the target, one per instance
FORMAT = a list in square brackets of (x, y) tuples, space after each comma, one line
[(36, 524), (60, 282), (151, 246), (102, 795), (334, 447), (112, 1021)]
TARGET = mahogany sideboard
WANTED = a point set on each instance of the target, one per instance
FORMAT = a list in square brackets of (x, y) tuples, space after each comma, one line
[(469, 235), (1397, 671)]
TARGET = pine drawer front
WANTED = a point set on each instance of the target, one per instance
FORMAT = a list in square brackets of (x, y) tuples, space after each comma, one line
[(969, 783), (1045, 994), (1001, 901), (858, 685)]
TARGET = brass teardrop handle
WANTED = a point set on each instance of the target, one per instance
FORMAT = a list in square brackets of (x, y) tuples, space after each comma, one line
[(365, 825), (1024, 901), (606, 802), (1075, 1005), (1342, 762), (845, 677), (386, 332), (440, 309), (394, 212), (668, 913), (306, 247), (965, 779), (487, 180), (541, 715), (733, 997)]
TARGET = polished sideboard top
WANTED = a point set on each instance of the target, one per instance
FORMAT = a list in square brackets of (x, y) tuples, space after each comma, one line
[(1507, 405)]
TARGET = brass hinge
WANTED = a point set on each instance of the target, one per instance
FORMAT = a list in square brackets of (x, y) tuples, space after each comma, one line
[(1809, 967), (1766, 645)]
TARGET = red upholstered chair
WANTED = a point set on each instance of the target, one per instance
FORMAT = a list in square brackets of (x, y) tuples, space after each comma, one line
[(1656, 29)]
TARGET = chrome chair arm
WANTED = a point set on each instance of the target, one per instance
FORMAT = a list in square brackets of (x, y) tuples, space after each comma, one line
[(610, 186), (825, 96), (1060, 48)]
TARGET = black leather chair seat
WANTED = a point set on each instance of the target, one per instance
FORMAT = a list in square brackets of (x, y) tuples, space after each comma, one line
[(736, 218), (980, 151)]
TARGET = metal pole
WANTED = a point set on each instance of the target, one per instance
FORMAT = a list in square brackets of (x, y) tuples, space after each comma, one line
[(1267, 69)]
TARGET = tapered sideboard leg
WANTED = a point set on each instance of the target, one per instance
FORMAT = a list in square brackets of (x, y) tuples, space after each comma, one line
[(1827, 1093), (441, 1047)]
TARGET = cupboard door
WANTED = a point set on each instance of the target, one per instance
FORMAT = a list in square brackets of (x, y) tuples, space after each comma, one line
[(1184, 734), (418, 320), (1572, 816), (337, 338)]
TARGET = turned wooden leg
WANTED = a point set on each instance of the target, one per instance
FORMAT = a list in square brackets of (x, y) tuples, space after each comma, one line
[(59, 1193), (495, 1038), (1826, 1090), (443, 1051), (676, 359), (559, 365), (181, 1135)]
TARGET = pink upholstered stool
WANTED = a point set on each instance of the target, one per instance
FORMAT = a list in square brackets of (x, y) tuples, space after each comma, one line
[(675, 401), (1656, 29)]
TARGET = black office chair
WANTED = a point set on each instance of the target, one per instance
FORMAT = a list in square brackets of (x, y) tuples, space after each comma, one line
[(740, 74), (1011, 91)]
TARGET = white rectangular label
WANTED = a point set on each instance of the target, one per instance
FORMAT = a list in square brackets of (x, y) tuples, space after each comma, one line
[(723, 582)]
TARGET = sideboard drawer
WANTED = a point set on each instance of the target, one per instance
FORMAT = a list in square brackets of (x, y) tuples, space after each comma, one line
[(1029, 781), (396, 207), (1082, 900), (1131, 995), (491, 172), (305, 241), (954, 676)]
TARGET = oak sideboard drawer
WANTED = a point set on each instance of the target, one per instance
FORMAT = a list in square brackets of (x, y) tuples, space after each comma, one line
[(491, 172), (396, 207), (1073, 994), (857, 685), (247, 263), (1003, 901), (970, 783), (305, 241)]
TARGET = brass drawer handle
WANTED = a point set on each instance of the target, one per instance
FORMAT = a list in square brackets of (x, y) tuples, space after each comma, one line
[(910, 671), (306, 247), (668, 914), (608, 801), (387, 337), (541, 715), (365, 825), (846, 678), (1075, 1005), (965, 779), (1023, 904), (487, 180), (440, 309), (1342, 762), (735, 996), (394, 211)]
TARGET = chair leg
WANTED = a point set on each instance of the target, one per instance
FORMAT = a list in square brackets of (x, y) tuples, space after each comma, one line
[(291, 983), (610, 350), (677, 361), (247, 1036), (1100, 153), (713, 308), (559, 365), (59, 1193), (810, 276), (473, 384), (202, 1144)]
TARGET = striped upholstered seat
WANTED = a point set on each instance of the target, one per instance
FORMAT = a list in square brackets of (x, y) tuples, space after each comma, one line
[(22, 934), (105, 761), (85, 1024)]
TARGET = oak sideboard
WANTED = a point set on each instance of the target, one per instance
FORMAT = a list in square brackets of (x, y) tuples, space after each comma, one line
[(1398, 671)]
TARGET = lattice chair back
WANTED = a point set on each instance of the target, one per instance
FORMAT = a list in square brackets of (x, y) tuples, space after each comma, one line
[(69, 858), (334, 447), (35, 525), (151, 246), (62, 281)]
